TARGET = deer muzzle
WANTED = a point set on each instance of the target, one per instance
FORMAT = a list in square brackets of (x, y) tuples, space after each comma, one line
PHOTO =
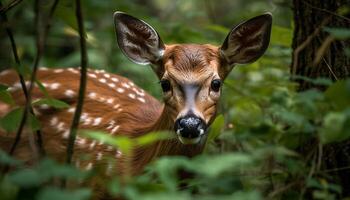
[(190, 129)]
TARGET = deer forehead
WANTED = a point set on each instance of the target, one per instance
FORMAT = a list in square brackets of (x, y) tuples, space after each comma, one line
[(191, 63)]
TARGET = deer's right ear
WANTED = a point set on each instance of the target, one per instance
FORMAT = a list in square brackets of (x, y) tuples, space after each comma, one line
[(248, 41), (138, 40)]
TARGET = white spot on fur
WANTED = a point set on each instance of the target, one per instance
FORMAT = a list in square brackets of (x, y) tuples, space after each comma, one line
[(141, 99), (87, 121), (92, 75), (110, 124), (115, 129), (73, 70), (81, 141), (89, 166), (44, 106), (54, 86), (120, 90), (5, 72), (58, 71), (71, 110), (92, 144), (125, 85), (97, 121), (69, 93), (60, 126), (110, 100), (54, 121), (102, 80), (106, 75), (99, 156), (92, 95), (118, 154), (66, 134), (112, 85), (114, 79), (116, 106), (131, 95)]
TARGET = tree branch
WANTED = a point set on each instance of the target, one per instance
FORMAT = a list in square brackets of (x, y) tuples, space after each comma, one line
[(82, 88)]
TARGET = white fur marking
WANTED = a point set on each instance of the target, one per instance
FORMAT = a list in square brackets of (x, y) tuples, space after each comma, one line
[(114, 79), (120, 90), (69, 93), (97, 121), (131, 95), (115, 129), (102, 80), (99, 156)]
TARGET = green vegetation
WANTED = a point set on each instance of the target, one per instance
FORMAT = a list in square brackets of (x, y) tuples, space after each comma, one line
[(254, 145)]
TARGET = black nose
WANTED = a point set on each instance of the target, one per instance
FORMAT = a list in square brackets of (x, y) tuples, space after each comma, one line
[(190, 127)]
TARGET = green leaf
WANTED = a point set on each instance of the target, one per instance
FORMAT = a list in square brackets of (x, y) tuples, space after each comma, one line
[(54, 193), (339, 33), (11, 121), (335, 127), (6, 97), (65, 12), (5, 159), (153, 137), (34, 122), (339, 94), (26, 178), (42, 88), (3, 87), (215, 165), (216, 128), (52, 102)]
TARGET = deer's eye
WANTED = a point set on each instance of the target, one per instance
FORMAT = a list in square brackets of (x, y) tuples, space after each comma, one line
[(165, 84), (215, 85)]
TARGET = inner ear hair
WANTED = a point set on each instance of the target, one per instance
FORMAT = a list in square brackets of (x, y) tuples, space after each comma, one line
[(247, 41), (139, 41)]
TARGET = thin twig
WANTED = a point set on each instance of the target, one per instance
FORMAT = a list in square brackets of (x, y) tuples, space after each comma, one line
[(330, 69), (4, 9), (21, 78), (82, 88)]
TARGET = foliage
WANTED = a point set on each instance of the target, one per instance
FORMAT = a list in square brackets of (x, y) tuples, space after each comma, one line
[(253, 149)]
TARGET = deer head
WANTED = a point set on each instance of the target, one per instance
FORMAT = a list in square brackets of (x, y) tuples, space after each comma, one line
[(191, 75)]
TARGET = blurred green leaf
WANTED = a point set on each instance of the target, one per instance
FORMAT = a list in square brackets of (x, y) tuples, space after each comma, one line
[(6, 97), (215, 165), (11, 120), (5, 159), (339, 94), (54, 193), (51, 102), (34, 122), (153, 137), (335, 127), (216, 128), (26, 178), (338, 33)]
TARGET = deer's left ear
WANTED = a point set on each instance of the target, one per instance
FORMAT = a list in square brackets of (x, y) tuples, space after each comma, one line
[(248, 41), (137, 39)]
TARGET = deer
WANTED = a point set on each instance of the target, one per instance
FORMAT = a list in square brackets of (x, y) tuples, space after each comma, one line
[(191, 77)]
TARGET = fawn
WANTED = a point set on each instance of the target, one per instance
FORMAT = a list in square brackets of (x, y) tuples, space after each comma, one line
[(191, 77)]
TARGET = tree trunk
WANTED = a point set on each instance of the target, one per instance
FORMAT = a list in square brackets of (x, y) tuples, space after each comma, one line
[(311, 17)]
